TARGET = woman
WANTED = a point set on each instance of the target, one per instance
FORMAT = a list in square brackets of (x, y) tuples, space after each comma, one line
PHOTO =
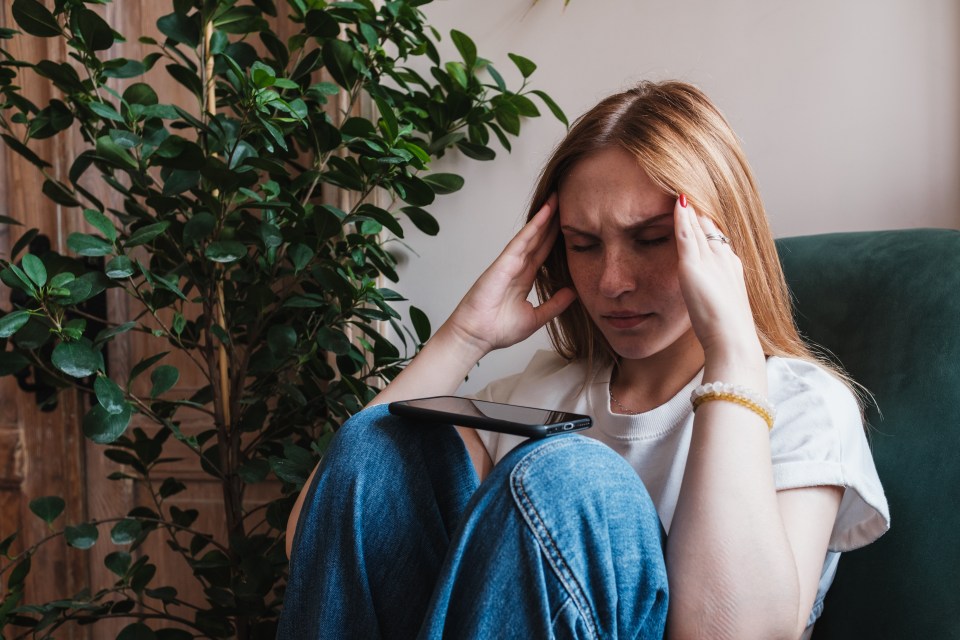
[(656, 271)]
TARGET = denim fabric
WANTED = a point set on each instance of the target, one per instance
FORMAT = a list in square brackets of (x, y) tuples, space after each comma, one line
[(397, 539)]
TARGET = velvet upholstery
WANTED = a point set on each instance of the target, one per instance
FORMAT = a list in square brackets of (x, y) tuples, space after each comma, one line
[(887, 305)]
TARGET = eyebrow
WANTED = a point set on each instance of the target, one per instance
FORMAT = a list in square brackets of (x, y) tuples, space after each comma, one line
[(637, 226)]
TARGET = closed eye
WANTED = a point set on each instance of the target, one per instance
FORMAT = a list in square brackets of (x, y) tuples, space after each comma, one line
[(652, 242)]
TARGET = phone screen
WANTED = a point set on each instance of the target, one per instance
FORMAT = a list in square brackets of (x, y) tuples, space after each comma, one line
[(492, 416)]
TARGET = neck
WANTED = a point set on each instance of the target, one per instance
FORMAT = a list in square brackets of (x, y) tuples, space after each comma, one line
[(642, 385)]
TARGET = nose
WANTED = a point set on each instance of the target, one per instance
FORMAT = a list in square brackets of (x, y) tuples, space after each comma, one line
[(617, 276)]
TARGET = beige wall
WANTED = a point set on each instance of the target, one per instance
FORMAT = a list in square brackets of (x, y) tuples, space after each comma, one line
[(849, 111)]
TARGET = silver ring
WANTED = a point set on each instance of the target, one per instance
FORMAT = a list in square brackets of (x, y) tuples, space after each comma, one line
[(718, 236)]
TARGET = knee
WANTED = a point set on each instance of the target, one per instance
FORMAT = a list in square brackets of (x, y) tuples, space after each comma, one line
[(584, 481), (377, 441)]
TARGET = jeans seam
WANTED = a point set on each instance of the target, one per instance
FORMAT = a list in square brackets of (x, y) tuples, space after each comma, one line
[(545, 540)]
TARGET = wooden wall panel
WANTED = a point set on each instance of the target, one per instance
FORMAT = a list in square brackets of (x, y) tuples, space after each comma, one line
[(45, 453)]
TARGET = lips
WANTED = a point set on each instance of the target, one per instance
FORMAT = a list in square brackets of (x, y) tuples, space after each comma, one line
[(625, 319)]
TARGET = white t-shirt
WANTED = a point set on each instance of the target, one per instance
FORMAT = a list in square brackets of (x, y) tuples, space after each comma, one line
[(818, 438)]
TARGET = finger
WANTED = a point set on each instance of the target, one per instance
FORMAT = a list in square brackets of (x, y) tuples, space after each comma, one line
[(535, 228), (700, 232), (687, 247), (556, 305), (720, 242), (547, 242)]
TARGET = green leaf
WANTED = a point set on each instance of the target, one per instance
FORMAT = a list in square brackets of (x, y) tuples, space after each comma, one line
[(476, 151), (109, 395), (125, 531), (525, 106), (101, 223), (415, 191), (179, 28), (271, 235), (466, 47), (145, 364), (421, 324), (12, 322), (87, 245), (137, 631), (95, 31), (281, 339), (102, 427), (422, 220), (525, 65), (333, 341), (33, 267), (497, 78), (116, 155), (105, 111), (225, 251), (179, 180), (82, 536), (13, 276), (77, 359), (342, 61), (35, 19), (389, 124), (123, 68), (300, 256), (24, 151), (118, 562), (12, 362), (59, 193), (142, 576), (61, 280), (554, 108), (119, 267), (198, 228), (48, 508), (384, 217), (508, 117), (171, 487), (254, 471), (6, 544), (320, 24), (145, 234), (163, 378), (19, 574), (140, 93), (443, 183), (458, 72), (84, 287), (106, 334)]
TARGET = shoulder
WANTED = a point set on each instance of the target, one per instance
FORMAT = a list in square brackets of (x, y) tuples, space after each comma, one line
[(547, 375), (807, 392)]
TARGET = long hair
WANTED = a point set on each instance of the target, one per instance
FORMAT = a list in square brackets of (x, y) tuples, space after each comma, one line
[(685, 145)]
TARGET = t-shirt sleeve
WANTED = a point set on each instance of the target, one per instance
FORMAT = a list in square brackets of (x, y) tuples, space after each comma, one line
[(819, 439)]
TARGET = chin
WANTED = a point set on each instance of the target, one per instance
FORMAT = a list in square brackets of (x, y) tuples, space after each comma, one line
[(643, 348)]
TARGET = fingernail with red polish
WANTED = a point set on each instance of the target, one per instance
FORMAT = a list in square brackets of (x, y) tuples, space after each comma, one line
[(683, 201)]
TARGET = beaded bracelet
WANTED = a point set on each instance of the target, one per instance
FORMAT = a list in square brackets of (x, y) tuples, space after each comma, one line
[(735, 393)]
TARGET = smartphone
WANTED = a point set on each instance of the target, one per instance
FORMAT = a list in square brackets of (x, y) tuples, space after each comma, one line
[(492, 416)]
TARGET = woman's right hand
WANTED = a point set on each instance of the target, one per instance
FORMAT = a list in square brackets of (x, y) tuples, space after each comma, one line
[(495, 312)]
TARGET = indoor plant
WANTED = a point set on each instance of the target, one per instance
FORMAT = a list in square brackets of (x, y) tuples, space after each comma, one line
[(251, 226)]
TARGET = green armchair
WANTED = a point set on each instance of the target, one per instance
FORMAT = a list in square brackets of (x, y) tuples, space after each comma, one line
[(886, 304)]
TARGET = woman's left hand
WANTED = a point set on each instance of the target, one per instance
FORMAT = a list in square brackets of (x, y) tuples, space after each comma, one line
[(712, 283)]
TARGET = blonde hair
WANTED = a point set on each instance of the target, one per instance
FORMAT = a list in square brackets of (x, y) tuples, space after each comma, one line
[(685, 145)]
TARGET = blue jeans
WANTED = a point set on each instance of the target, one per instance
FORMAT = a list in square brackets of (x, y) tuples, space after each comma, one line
[(398, 539)]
